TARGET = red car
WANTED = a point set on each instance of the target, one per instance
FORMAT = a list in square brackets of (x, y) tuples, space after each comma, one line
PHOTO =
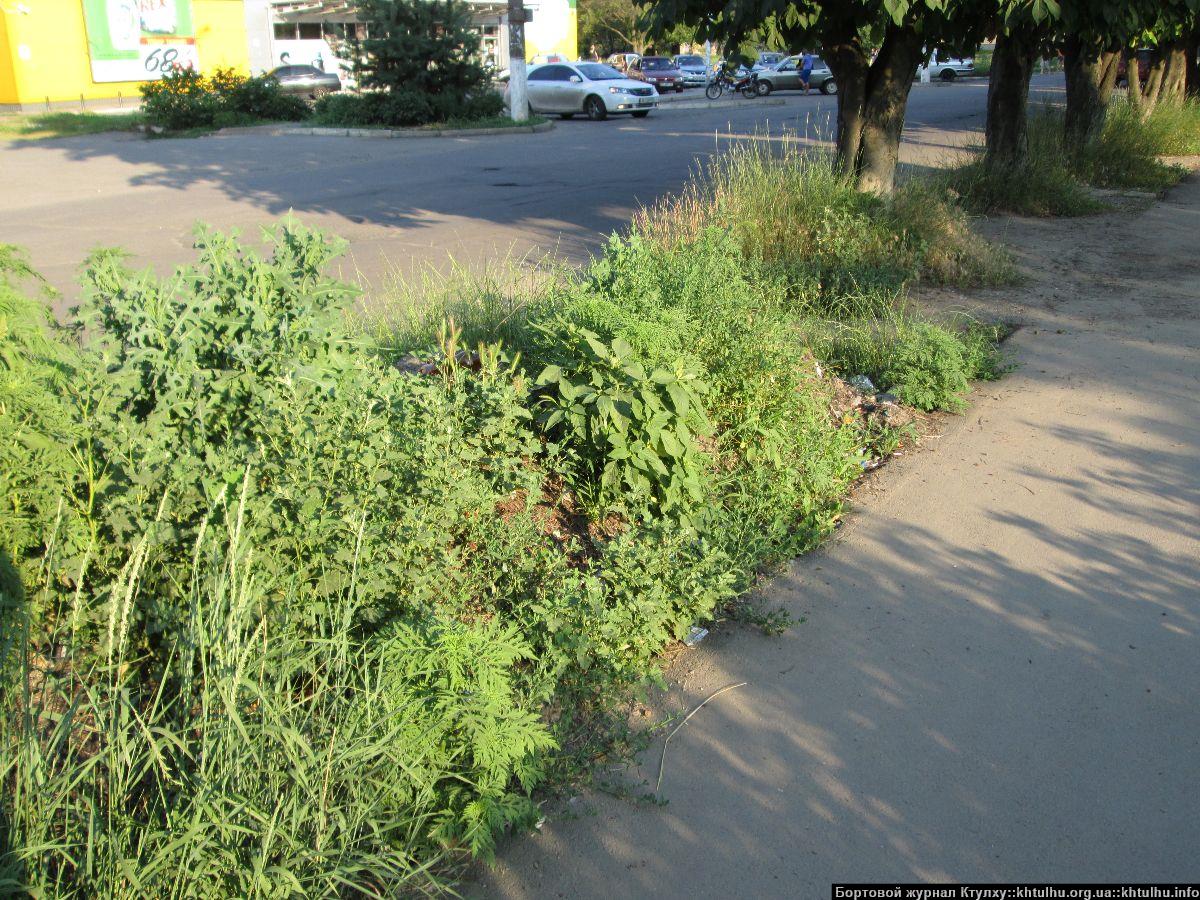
[(1143, 62), (659, 71)]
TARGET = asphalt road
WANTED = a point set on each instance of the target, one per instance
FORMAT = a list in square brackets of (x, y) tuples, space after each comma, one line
[(406, 203)]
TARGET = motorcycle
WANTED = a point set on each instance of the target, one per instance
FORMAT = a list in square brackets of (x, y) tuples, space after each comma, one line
[(747, 86)]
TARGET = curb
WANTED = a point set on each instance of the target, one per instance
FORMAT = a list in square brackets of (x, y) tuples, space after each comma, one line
[(720, 104), (277, 130)]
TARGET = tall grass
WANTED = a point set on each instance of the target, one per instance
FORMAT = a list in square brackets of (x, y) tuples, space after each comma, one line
[(1054, 181), (1126, 154), (255, 761), (793, 209)]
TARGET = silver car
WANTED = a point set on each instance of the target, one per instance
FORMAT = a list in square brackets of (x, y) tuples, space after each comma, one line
[(786, 77), (695, 73), (594, 89)]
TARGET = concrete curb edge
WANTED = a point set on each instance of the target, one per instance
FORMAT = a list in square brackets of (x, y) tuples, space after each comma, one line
[(280, 130)]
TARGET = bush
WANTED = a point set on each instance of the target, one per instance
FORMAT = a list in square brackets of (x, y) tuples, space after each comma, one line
[(401, 108), (183, 99)]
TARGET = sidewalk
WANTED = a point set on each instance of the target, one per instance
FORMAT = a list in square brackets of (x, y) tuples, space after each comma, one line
[(997, 676)]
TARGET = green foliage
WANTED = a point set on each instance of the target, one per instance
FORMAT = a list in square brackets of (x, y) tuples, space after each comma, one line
[(184, 99), (805, 221), (404, 108), (925, 364), (926, 368), (1126, 153), (627, 432), (298, 608), (424, 47), (1053, 182)]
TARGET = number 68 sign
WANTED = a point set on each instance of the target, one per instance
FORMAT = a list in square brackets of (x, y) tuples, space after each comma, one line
[(159, 58)]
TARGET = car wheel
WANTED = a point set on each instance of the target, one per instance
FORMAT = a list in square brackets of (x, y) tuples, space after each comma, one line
[(948, 74), (679, 89), (765, 88), (641, 114), (595, 109), (829, 86)]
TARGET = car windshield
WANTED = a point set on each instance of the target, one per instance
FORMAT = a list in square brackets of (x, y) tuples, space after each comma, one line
[(690, 60), (599, 72), (656, 63)]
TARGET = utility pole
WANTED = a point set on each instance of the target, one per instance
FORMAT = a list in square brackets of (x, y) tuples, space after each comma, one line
[(518, 96)]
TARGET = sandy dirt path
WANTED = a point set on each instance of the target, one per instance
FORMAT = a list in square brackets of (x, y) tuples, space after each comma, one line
[(999, 675)]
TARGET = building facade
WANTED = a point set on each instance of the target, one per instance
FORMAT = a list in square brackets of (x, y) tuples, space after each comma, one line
[(56, 53), (307, 32), (81, 53)]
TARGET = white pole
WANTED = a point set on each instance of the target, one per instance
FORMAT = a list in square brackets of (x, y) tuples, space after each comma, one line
[(518, 95)]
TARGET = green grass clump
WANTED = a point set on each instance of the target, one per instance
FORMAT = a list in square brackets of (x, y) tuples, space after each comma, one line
[(794, 211), (1126, 154), (1045, 186), (1054, 182), (65, 124)]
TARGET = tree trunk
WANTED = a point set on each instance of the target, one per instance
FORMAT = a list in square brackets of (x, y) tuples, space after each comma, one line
[(872, 98), (888, 84), (1091, 75), (1152, 89), (849, 64), (1192, 64), (1133, 82), (1174, 83), (1007, 130)]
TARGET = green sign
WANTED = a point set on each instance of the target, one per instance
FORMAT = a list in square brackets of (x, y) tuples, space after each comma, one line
[(137, 40)]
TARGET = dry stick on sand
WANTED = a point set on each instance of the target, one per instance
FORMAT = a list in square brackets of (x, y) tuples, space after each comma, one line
[(662, 762)]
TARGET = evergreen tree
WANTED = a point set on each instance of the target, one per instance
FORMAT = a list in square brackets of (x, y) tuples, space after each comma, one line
[(425, 47)]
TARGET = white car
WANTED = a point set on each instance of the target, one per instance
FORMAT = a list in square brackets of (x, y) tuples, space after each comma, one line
[(948, 68), (594, 89)]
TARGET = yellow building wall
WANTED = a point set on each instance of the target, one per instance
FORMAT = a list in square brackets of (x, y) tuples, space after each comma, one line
[(44, 52), (8, 77)]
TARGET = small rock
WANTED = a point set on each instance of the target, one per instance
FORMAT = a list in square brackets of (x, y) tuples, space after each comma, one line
[(861, 383)]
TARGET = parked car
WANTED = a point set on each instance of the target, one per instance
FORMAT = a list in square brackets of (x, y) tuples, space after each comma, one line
[(695, 73), (767, 60), (786, 77), (659, 71), (594, 89), (1143, 58), (623, 62), (308, 81), (948, 68)]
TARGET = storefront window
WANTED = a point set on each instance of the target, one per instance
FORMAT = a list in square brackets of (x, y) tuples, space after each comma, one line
[(310, 31), (285, 31)]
